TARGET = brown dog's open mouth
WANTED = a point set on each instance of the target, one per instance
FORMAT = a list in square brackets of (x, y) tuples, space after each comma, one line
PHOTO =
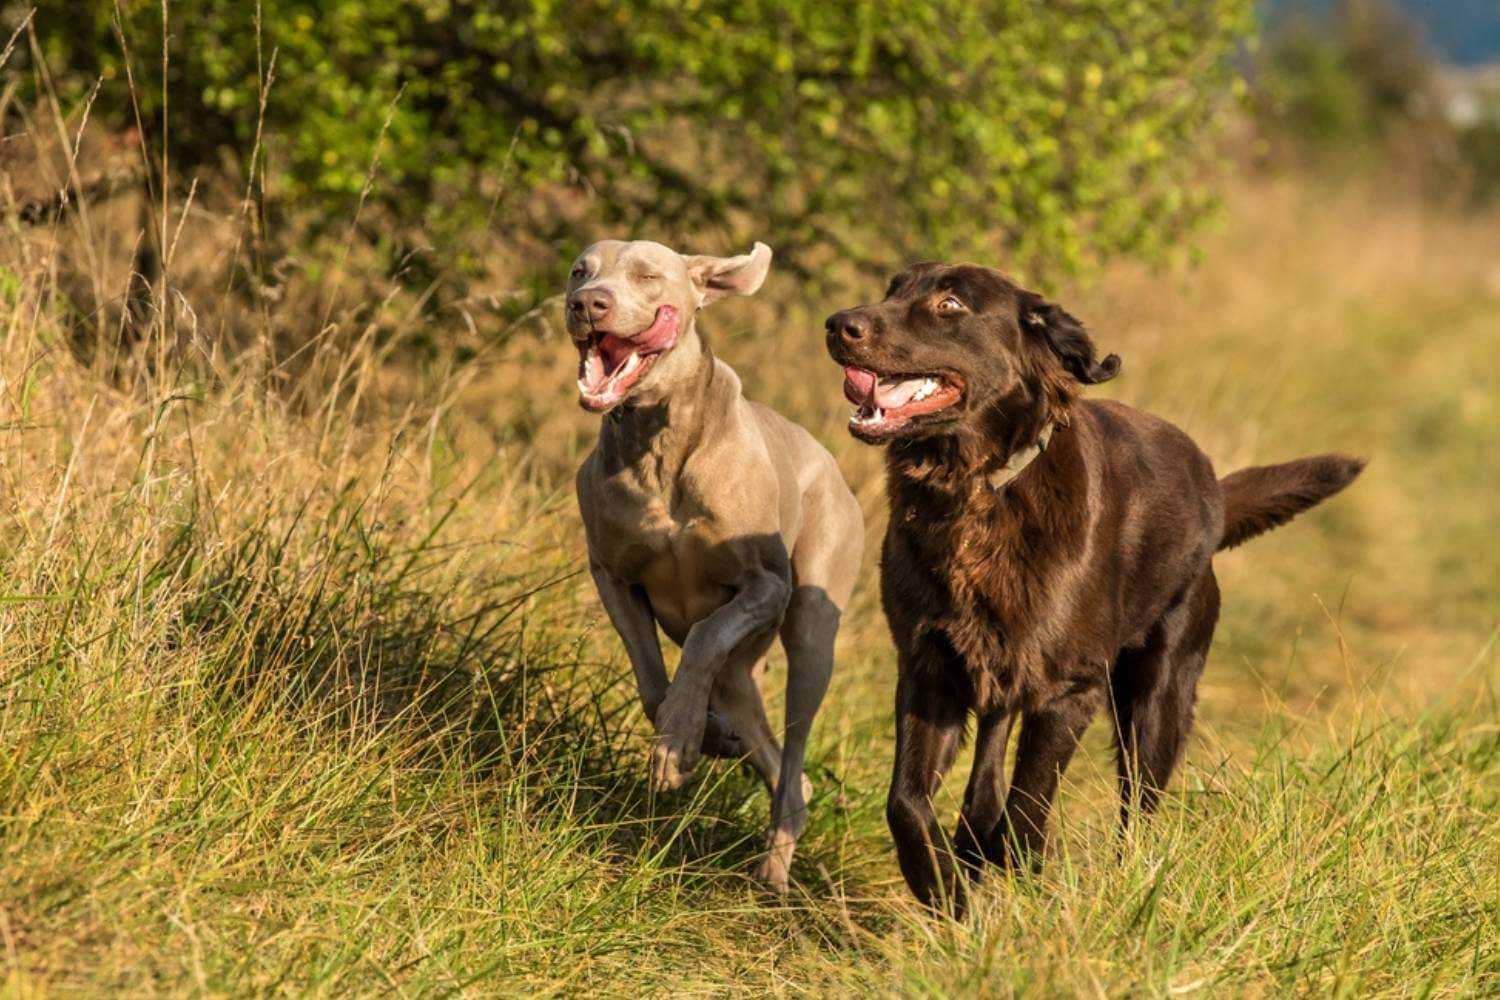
[(609, 364), (887, 404)]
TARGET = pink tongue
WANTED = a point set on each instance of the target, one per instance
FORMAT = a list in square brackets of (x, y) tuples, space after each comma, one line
[(893, 397), (659, 334), (615, 351), (859, 384), (863, 387)]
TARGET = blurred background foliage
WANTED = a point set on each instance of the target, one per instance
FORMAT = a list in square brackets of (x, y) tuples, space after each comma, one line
[(1057, 134), (305, 684), (467, 151), (1360, 84)]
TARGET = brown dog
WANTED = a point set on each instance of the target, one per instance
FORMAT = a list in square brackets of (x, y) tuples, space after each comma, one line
[(1046, 556)]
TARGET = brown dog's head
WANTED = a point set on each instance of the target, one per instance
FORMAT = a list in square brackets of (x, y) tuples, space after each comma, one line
[(630, 308), (959, 347)]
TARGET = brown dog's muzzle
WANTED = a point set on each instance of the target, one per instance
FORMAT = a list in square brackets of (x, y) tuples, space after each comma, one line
[(847, 328), (886, 402)]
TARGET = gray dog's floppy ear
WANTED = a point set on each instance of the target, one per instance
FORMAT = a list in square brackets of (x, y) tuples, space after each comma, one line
[(716, 277), (1067, 339)]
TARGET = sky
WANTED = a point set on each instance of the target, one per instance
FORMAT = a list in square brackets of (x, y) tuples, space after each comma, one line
[(1466, 32)]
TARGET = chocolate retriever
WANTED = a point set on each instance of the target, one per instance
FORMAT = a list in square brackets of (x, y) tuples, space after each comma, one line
[(1046, 556)]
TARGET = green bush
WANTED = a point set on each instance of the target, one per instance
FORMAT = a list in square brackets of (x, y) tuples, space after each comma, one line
[(1068, 132)]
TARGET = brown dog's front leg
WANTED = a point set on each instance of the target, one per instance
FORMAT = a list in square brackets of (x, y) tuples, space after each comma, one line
[(984, 799), (929, 722), (756, 608), (1046, 745)]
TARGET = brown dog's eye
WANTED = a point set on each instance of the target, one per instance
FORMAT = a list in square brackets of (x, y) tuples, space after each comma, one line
[(950, 304), (578, 271)]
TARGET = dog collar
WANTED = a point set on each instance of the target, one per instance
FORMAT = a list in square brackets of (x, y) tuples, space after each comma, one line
[(1014, 465)]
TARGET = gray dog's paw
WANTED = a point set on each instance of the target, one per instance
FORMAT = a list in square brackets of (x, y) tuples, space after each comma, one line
[(771, 873), (719, 740), (680, 725), (670, 763), (775, 868)]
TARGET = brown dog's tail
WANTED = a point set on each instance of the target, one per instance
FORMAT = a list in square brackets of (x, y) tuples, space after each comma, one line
[(1263, 497)]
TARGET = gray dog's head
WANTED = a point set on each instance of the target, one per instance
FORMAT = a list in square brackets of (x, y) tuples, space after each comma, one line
[(630, 308)]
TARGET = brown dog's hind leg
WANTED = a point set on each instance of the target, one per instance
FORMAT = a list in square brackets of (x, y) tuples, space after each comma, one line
[(1153, 693), (1046, 745)]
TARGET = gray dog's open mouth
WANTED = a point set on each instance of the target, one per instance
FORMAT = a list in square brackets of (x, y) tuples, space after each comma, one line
[(886, 404), (609, 363)]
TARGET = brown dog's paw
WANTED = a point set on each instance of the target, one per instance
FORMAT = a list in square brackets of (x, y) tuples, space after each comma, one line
[(721, 741)]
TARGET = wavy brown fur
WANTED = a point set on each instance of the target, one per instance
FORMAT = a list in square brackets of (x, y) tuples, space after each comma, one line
[(1084, 582), (1263, 497)]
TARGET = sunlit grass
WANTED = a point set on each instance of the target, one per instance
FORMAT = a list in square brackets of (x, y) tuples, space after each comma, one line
[(302, 688)]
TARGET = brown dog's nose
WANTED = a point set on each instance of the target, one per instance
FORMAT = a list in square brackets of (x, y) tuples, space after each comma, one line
[(848, 325), (592, 304)]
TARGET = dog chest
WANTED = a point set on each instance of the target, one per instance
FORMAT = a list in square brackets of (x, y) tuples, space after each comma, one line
[(964, 593), (679, 558)]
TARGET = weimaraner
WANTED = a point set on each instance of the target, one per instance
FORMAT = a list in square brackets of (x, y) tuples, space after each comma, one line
[(709, 515)]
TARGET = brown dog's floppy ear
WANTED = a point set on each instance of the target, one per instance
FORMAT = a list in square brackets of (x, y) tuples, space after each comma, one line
[(716, 277), (1068, 339)]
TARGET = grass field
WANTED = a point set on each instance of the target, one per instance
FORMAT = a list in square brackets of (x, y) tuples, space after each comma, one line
[(302, 689)]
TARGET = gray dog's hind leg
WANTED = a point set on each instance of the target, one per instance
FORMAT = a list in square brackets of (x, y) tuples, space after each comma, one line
[(825, 564), (812, 622), (737, 701)]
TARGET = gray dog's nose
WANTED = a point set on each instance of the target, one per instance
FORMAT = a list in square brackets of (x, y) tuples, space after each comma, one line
[(592, 304), (849, 325)]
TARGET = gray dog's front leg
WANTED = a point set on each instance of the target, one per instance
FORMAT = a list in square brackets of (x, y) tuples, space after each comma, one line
[(630, 613), (758, 607)]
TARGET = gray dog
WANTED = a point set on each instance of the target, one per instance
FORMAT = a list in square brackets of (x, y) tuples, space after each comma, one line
[(710, 516)]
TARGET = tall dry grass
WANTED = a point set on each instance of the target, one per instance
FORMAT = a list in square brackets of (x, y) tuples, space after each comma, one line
[(304, 691)]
